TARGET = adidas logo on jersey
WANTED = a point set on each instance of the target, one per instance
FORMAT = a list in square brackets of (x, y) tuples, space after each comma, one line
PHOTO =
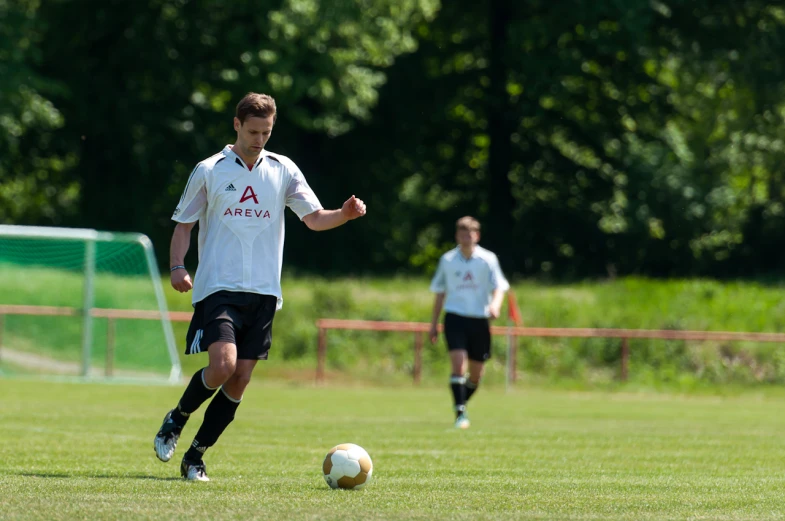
[(230, 188)]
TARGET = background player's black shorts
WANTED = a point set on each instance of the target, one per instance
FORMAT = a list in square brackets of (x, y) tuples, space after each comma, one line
[(244, 319), (473, 335)]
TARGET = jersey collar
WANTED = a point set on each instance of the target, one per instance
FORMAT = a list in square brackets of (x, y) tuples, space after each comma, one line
[(464, 259), (231, 154)]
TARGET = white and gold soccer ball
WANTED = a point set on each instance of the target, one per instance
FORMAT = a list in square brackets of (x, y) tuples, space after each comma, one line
[(347, 466)]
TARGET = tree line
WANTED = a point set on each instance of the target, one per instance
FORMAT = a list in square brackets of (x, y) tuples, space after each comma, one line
[(589, 138)]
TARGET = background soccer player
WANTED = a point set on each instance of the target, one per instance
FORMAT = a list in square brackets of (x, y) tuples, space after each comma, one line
[(470, 285), (238, 196)]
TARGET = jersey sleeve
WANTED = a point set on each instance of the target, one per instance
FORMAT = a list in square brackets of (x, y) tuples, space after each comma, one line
[(498, 280), (439, 281), (193, 202), (299, 196)]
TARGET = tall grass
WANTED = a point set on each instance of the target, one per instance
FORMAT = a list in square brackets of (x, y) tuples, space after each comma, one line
[(694, 304), (140, 345)]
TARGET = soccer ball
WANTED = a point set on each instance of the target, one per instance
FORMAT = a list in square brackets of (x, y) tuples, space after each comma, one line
[(347, 466)]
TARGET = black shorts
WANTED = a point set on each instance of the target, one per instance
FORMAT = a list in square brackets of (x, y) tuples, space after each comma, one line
[(243, 319), (472, 335)]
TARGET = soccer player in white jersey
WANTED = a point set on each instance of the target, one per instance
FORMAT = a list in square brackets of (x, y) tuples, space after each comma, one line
[(470, 286), (238, 196)]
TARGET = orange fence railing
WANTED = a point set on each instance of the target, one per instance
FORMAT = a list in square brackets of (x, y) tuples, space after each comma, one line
[(110, 314), (419, 330)]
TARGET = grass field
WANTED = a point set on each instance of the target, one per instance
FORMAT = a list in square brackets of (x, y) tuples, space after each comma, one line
[(77, 451)]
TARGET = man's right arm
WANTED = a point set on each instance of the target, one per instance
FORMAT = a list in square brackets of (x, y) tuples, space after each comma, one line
[(439, 287), (438, 302), (181, 241), (190, 209)]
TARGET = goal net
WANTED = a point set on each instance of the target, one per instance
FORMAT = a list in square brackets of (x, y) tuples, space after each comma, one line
[(83, 303)]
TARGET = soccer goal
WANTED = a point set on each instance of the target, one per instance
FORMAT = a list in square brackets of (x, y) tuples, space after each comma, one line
[(83, 303)]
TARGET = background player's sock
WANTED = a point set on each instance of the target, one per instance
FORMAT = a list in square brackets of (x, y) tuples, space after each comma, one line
[(217, 417), (195, 395), (471, 388), (458, 386)]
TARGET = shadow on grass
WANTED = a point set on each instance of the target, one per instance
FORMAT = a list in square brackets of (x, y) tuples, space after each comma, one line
[(326, 489), (96, 476)]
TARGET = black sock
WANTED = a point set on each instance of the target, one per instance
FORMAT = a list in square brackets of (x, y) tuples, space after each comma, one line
[(458, 386), (195, 395), (471, 388), (217, 417)]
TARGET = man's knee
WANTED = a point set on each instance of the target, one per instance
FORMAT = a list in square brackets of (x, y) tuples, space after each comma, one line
[(241, 379), (476, 370), (236, 384), (223, 361), (226, 367), (458, 358)]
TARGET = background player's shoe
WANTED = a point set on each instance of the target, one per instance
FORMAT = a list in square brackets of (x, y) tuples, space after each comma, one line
[(462, 422), (166, 439), (193, 470)]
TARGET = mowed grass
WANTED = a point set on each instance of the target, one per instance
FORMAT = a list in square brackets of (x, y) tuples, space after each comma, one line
[(78, 451)]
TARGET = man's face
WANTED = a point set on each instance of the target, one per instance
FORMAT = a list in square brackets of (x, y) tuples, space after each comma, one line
[(252, 135), (466, 238)]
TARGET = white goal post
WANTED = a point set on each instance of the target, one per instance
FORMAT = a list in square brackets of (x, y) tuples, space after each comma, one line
[(60, 248)]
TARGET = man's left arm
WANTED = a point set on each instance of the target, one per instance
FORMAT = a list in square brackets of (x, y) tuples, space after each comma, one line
[(495, 309), (321, 220), (500, 287)]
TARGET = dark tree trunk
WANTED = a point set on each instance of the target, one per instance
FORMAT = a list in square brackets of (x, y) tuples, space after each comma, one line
[(498, 217)]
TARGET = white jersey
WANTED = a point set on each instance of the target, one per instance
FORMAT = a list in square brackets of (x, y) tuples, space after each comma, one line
[(468, 283), (241, 220)]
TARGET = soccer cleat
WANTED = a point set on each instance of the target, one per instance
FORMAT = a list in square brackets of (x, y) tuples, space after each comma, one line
[(462, 422), (166, 439), (193, 470)]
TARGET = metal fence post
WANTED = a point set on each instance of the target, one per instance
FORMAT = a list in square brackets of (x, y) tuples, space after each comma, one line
[(2, 328), (110, 333), (321, 355), (417, 370), (87, 306), (512, 357), (625, 359)]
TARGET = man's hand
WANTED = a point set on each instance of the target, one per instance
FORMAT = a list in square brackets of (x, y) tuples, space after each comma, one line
[(495, 310), (433, 334), (353, 208), (181, 280)]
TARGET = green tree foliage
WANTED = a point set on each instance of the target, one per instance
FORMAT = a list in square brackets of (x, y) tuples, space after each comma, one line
[(32, 181), (614, 136), (598, 137), (151, 85)]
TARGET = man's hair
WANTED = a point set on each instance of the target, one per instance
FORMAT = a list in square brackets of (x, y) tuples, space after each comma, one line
[(467, 223), (255, 105)]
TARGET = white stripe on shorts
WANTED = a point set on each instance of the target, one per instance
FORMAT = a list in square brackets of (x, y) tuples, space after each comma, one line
[(196, 346)]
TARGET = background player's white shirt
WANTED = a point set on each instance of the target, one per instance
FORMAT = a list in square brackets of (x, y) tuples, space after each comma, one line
[(468, 283), (241, 220)]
